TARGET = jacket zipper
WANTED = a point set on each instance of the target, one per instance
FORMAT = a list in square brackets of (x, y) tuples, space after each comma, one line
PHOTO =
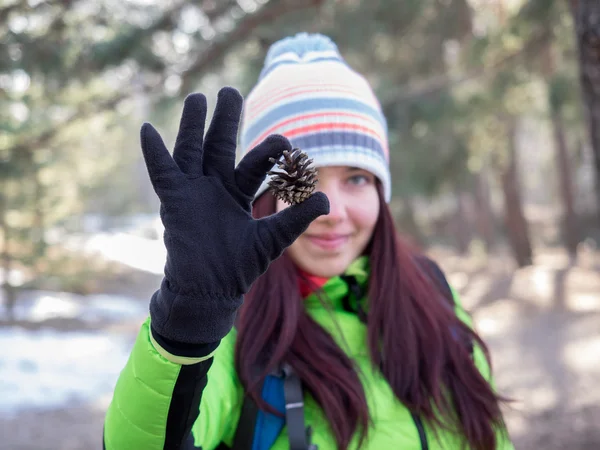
[(421, 430)]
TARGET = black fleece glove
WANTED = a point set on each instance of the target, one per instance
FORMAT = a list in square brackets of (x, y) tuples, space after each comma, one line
[(215, 249)]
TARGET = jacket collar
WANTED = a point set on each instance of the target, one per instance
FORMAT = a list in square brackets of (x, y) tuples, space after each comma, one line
[(337, 288)]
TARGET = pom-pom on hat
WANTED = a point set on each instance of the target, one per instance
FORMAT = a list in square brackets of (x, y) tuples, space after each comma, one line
[(309, 94)]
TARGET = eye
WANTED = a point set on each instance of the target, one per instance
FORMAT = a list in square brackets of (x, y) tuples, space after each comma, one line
[(360, 179)]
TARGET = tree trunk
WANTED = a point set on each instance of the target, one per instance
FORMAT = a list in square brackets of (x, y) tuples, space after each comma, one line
[(516, 224), (461, 223), (569, 228), (38, 229), (586, 16), (484, 217), (7, 288)]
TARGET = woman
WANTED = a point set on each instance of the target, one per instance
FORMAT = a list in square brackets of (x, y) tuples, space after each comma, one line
[(347, 336)]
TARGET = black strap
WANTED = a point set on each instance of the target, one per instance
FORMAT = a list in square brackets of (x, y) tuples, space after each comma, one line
[(446, 290), (298, 435), (244, 434), (437, 276), (421, 431)]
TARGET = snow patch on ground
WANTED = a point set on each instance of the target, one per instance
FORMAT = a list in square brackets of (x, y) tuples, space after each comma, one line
[(137, 252), (42, 369), (45, 368), (37, 306), (139, 244)]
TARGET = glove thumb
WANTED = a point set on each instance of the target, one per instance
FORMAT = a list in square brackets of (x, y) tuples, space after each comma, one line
[(286, 226)]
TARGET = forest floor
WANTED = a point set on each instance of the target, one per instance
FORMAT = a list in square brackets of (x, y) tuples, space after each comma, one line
[(542, 324)]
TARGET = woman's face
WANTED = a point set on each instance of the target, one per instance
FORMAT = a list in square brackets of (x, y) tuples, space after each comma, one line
[(332, 242)]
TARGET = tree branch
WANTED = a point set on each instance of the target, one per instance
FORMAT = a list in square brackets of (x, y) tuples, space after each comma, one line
[(207, 59), (443, 82), (83, 111), (217, 49)]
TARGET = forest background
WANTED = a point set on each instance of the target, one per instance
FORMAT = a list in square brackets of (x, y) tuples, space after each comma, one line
[(493, 109)]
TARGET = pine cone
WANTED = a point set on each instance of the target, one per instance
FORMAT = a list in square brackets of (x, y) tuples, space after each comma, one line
[(297, 182)]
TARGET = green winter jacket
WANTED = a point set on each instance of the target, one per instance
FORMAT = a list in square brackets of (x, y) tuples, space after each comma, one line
[(155, 385)]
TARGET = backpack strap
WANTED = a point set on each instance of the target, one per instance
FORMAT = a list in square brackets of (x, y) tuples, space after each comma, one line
[(433, 270), (244, 434), (299, 436), (437, 276), (258, 429)]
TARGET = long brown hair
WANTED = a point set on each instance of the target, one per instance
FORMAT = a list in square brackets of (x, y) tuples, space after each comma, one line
[(411, 338)]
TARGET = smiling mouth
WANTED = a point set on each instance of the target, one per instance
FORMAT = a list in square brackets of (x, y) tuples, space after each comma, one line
[(329, 242)]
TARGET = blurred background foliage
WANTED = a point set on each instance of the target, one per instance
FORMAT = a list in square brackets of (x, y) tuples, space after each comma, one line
[(493, 109)]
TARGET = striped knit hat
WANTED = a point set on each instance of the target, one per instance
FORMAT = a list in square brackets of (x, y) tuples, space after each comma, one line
[(308, 93)]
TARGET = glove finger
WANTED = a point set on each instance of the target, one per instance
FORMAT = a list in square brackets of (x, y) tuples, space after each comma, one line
[(253, 168), (188, 145), (162, 169), (287, 225), (221, 137)]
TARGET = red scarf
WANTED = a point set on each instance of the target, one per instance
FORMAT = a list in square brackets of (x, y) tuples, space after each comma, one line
[(308, 283)]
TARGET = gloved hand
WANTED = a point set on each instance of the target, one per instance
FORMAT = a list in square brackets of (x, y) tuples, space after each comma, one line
[(215, 248)]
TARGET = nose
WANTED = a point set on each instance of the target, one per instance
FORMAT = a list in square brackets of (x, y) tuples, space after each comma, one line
[(337, 204)]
